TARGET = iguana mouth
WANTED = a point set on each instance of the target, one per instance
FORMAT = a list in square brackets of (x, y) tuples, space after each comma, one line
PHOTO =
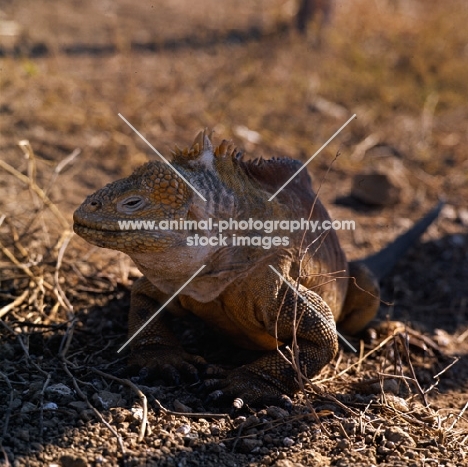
[(84, 224), (108, 229), (83, 227), (95, 225)]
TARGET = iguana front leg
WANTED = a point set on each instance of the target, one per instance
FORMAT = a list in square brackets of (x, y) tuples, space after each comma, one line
[(270, 377), (156, 348)]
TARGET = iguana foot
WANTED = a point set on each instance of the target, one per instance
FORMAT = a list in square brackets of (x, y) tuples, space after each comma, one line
[(242, 387), (173, 364)]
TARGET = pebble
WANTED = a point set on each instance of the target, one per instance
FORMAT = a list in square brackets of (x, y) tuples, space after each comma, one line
[(342, 463), (350, 427), (390, 445), (252, 420), (107, 400), (60, 393), (248, 445), (184, 429), (287, 463), (179, 407), (342, 444), (71, 461), (78, 405), (50, 406), (399, 436), (137, 413), (28, 407), (277, 412), (215, 430), (288, 442), (376, 188), (238, 420)]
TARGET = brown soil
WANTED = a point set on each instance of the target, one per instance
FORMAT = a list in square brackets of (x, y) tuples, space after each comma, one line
[(175, 67)]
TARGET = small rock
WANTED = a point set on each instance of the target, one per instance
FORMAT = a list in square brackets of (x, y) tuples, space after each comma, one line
[(60, 393), (37, 446), (383, 450), (28, 407), (87, 415), (442, 338), (179, 407), (463, 216), (277, 412), (288, 442), (342, 462), (184, 429), (70, 461), (16, 403), (388, 386), (448, 212), (397, 402), (376, 188), (252, 420), (107, 400), (457, 240), (137, 413), (399, 436), (342, 444), (247, 445), (238, 420), (23, 434), (191, 439), (390, 445), (215, 430), (50, 406), (350, 427), (119, 416), (78, 405), (286, 462)]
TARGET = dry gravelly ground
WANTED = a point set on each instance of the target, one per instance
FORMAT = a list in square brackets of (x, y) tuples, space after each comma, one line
[(172, 68)]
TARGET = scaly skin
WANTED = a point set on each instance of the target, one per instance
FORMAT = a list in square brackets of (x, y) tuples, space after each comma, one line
[(237, 292)]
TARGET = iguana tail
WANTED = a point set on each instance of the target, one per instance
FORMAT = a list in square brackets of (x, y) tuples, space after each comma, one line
[(382, 262)]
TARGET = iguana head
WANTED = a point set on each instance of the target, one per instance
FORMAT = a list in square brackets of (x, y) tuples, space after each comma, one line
[(120, 215)]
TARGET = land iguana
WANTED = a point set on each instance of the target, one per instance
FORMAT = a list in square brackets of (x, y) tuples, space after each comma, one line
[(258, 297)]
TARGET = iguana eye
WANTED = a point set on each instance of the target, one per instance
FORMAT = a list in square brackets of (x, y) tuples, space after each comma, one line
[(131, 204)]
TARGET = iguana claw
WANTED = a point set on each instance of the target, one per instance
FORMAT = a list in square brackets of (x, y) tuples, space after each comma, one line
[(244, 388), (172, 364)]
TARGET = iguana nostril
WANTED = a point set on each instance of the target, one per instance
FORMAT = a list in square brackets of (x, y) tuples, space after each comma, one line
[(94, 205)]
